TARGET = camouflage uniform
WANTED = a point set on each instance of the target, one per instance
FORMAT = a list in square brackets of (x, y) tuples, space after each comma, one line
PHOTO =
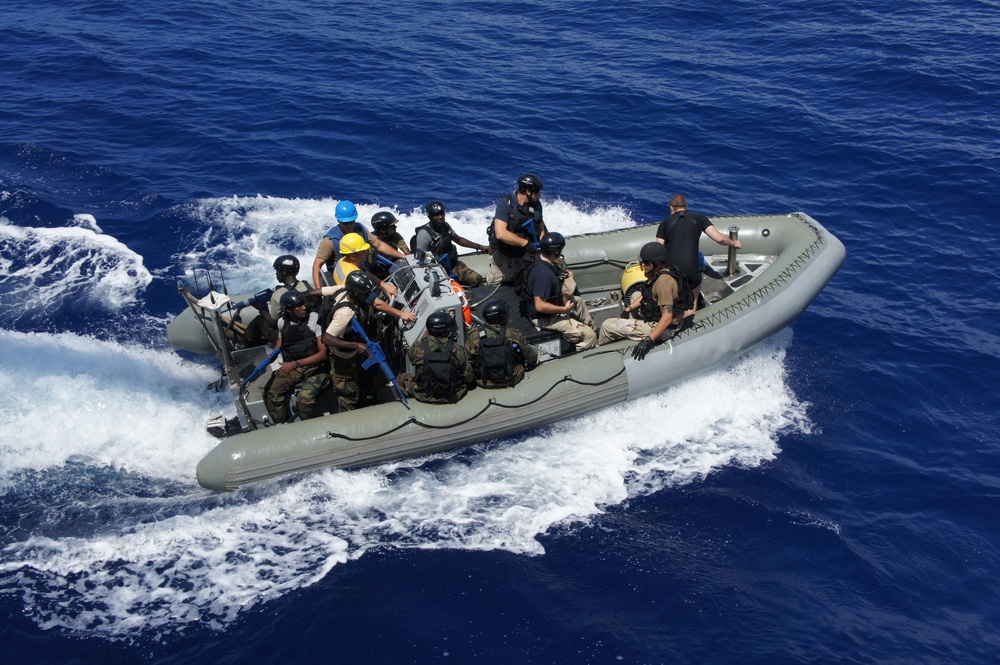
[(528, 354), (314, 379), (344, 364), (459, 360), (344, 377)]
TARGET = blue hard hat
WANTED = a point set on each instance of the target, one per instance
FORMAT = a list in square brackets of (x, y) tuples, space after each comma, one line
[(346, 212)]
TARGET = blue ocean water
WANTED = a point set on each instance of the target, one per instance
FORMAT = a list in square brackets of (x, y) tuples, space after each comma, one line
[(830, 497)]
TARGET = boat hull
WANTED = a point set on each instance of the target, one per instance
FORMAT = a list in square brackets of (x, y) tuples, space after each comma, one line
[(800, 255)]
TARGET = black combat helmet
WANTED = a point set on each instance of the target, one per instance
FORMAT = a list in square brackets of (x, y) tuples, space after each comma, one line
[(287, 263), (529, 182), (552, 243), (496, 312), (653, 252), (381, 221), (435, 208), (441, 324), (359, 285), (290, 300)]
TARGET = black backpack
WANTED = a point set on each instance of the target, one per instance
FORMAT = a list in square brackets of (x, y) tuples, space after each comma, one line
[(497, 358), (439, 378)]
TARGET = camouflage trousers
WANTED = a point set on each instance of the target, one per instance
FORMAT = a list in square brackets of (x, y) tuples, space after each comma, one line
[(344, 377), (578, 333), (314, 379), (466, 276)]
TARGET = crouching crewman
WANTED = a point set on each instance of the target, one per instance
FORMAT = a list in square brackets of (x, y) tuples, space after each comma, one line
[(441, 370), (499, 355)]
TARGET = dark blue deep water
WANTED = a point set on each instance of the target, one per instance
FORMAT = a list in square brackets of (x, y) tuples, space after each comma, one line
[(833, 496)]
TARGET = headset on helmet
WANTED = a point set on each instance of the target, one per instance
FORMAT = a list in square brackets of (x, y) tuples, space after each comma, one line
[(352, 243), (359, 285), (287, 263), (529, 182), (552, 243), (290, 300), (496, 312), (434, 208), (381, 221), (346, 212), (441, 324), (654, 252)]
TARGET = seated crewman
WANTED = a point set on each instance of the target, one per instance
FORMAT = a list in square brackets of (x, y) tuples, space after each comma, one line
[(303, 360), (264, 327), (499, 355), (547, 307), (441, 370), (660, 304), (384, 228)]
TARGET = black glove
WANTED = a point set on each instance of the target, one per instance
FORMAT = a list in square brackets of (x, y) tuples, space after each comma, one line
[(642, 348)]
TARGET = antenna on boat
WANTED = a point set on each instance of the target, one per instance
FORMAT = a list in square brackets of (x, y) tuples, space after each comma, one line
[(211, 286), (225, 289), (197, 285)]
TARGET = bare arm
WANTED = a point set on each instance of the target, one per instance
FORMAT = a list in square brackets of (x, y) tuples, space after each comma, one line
[(343, 344), (385, 248), (459, 240), (505, 235), (383, 306), (721, 238), (318, 264), (666, 318), (543, 307)]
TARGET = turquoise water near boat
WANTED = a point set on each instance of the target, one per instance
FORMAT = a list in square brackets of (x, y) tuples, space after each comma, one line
[(839, 507)]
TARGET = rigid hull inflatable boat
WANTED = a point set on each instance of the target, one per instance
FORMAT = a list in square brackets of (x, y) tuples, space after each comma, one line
[(785, 261)]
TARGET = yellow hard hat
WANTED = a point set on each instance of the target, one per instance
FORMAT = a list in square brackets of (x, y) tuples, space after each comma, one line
[(352, 243)]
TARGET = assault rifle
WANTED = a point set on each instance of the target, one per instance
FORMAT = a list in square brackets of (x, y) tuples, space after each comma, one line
[(377, 355), (260, 368), (258, 298)]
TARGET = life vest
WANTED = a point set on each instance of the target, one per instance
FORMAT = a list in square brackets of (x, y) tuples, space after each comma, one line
[(649, 309), (498, 357), (518, 223), (438, 377), (298, 341), (441, 244)]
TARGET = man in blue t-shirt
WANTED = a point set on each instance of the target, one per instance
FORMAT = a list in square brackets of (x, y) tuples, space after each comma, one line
[(547, 307)]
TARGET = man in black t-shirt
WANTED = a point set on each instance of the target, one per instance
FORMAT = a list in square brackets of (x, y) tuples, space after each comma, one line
[(680, 234)]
